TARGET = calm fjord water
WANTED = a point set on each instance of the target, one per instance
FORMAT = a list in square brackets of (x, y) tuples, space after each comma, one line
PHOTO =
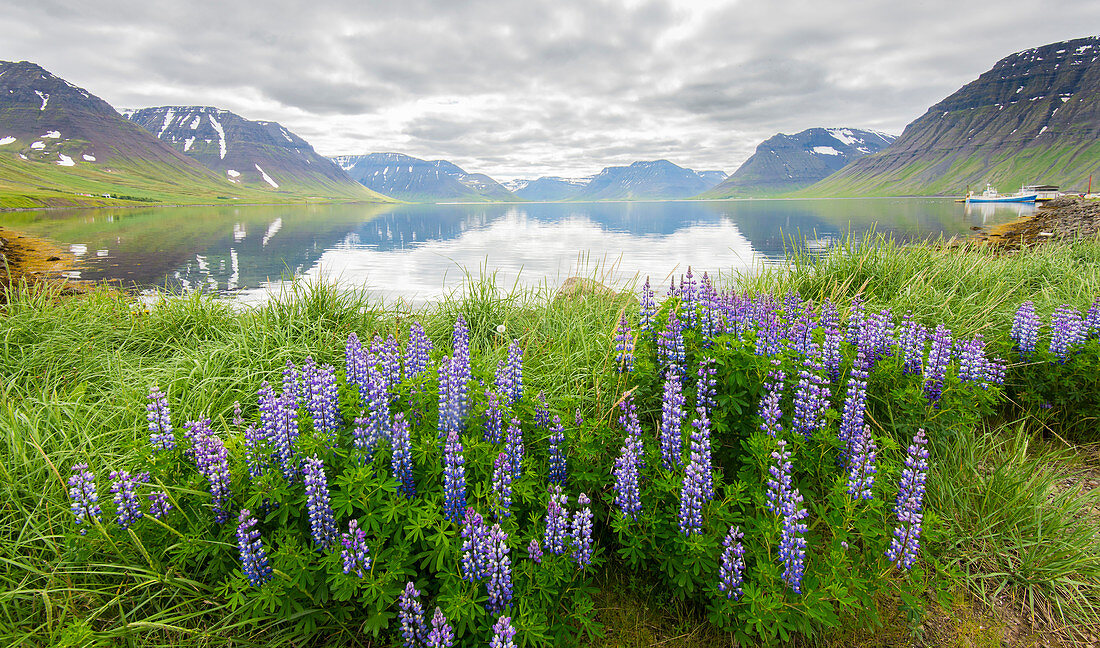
[(418, 252)]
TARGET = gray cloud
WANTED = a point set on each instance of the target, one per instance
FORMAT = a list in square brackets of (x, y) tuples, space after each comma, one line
[(537, 87)]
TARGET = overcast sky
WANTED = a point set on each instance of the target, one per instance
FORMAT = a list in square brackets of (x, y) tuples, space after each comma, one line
[(526, 88)]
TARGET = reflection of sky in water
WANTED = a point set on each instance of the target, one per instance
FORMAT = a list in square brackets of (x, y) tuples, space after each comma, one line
[(417, 252), (518, 250)]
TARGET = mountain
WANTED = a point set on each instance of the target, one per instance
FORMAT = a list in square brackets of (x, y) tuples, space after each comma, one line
[(1033, 118), (408, 178), (547, 188), (788, 162), (258, 154), (655, 180)]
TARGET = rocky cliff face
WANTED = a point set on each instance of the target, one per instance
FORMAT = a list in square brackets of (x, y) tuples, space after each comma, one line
[(1033, 118), (651, 180), (408, 178), (788, 162), (258, 154)]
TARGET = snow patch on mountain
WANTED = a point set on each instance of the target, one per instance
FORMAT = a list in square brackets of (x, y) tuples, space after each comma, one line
[(6, 140), (826, 150), (65, 160), (221, 134), (45, 98), (266, 177), (88, 158)]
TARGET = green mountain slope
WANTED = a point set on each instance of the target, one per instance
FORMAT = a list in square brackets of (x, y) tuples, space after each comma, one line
[(1033, 118)]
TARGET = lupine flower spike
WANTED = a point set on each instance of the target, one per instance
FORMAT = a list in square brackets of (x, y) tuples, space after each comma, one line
[(557, 452), (322, 522), (732, 566), (1025, 329), (411, 615), (906, 543), (160, 422), (254, 561), (582, 533), (355, 553), (624, 346), (454, 479), (127, 505), (442, 635), (499, 571), (82, 492), (503, 634)]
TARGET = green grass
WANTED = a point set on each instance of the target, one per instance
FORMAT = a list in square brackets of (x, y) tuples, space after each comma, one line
[(74, 374)]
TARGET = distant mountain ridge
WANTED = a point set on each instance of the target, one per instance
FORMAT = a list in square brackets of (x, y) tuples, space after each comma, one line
[(784, 163), (261, 154), (1033, 117), (647, 180), (407, 178)]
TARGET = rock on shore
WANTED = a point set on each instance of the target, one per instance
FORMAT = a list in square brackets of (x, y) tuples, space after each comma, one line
[(1067, 218)]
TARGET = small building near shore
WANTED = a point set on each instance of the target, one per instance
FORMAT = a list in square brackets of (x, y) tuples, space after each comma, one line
[(1043, 192)]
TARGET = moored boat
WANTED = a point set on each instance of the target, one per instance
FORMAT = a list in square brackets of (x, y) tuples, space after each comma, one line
[(990, 195)]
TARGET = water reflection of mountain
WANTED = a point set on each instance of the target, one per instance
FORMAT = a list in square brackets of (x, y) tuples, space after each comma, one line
[(229, 248)]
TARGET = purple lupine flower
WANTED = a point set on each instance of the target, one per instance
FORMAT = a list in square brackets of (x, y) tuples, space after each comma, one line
[(830, 352), (876, 337), (779, 485), (688, 298), (811, 398), (906, 543), (362, 439), (442, 635), (1092, 320), (212, 460), (254, 562), (379, 425), (624, 346), (769, 336), (732, 565), (973, 366), (785, 501), (706, 386), (411, 615), (1067, 330), (461, 373), (792, 541), (855, 321), (494, 417), (939, 354), (1025, 329), (628, 418), (509, 375), (161, 436), (648, 308), (558, 468), (280, 426), (499, 571), (800, 331), (159, 504), (670, 345), (256, 451), (672, 420), (416, 352), (355, 553), (911, 343), (995, 372), (542, 412), (502, 485), (355, 361), (450, 416), (625, 471), (194, 431), (578, 418), (238, 419), (861, 473), (322, 522), (474, 538), (769, 404), (691, 497), (322, 404), (855, 407), (292, 381), (503, 633), (829, 318), (513, 445), (581, 533), (389, 362), (534, 551), (557, 519), (127, 506), (700, 447), (402, 457), (82, 492), (454, 478), (710, 320)]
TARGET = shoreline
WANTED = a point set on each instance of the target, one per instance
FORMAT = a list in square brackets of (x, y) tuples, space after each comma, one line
[(1062, 219), (35, 261)]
